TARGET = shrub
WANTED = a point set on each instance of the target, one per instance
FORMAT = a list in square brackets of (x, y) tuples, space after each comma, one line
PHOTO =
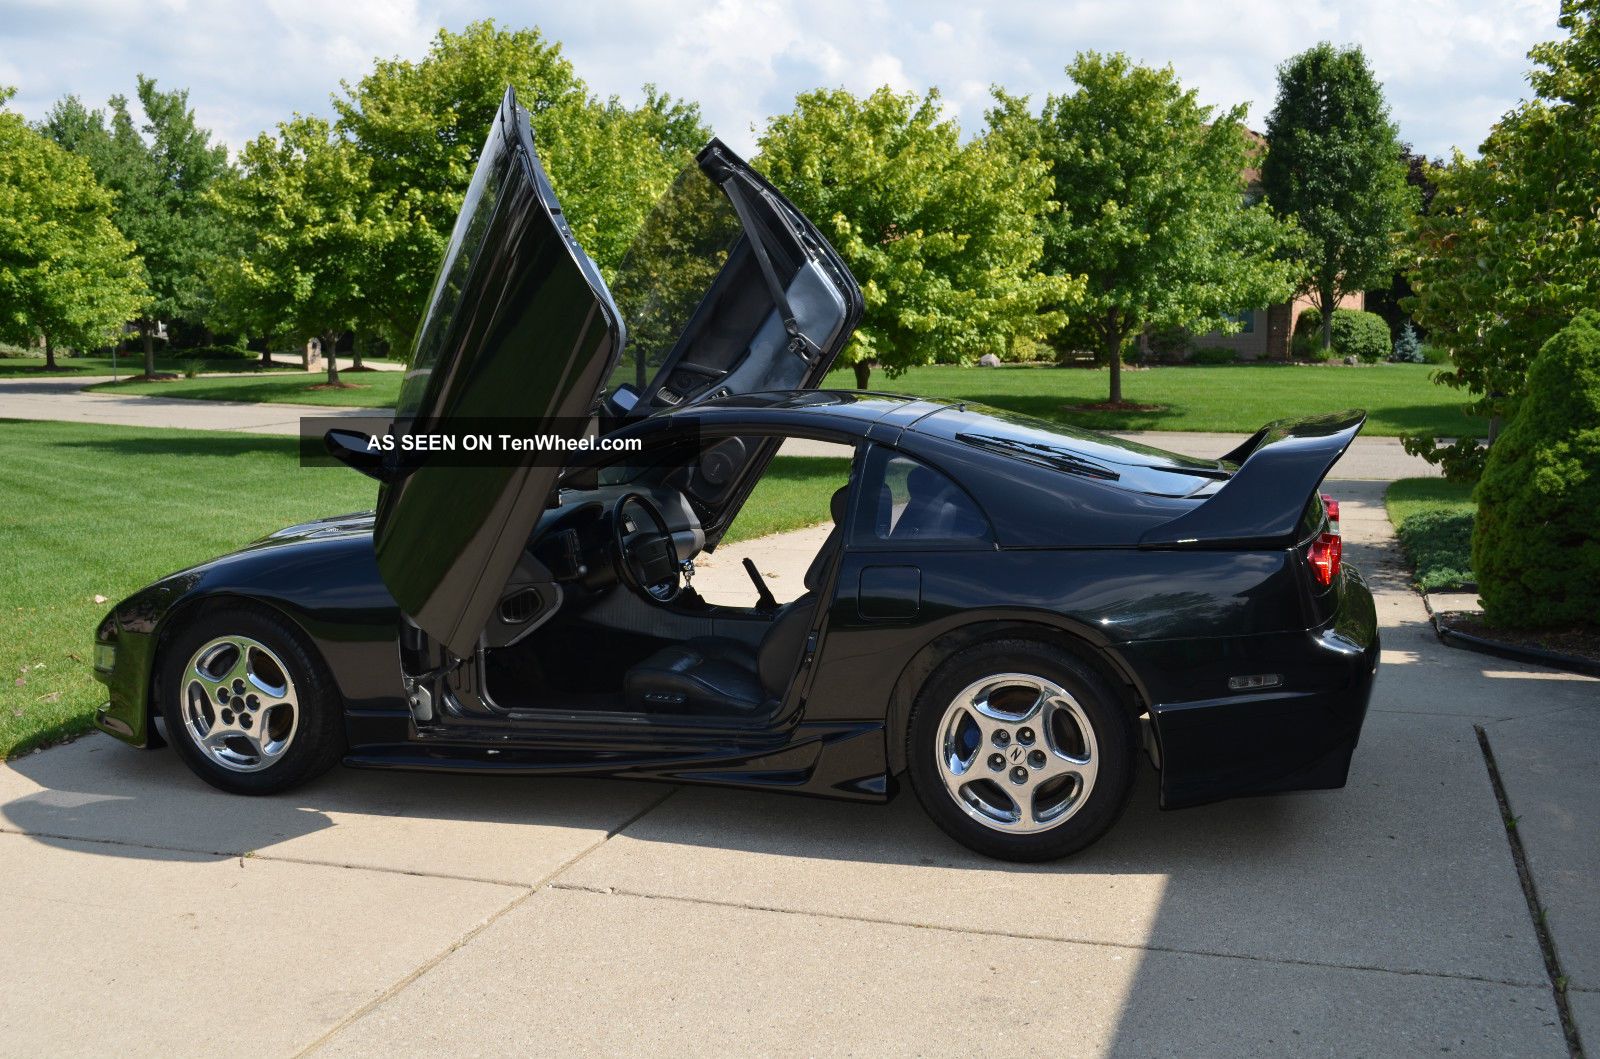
[(1214, 355), (213, 353), (1408, 347), (1536, 547), (1308, 324), (1361, 335), (1435, 354)]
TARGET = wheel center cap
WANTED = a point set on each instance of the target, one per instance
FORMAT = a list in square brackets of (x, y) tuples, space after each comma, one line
[(1016, 753)]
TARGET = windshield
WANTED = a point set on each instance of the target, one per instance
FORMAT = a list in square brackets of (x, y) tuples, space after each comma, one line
[(668, 268)]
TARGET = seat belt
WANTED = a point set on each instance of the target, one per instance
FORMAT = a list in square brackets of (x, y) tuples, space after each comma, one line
[(799, 344)]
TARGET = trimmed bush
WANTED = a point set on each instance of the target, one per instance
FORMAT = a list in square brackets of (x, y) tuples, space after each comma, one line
[(1536, 546), (1214, 355), (1361, 335), (1408, 347), (1355, 334)]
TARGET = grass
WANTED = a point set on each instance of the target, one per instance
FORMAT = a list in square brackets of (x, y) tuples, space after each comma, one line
[(1433, 519), (14, 367), (102, 511), (793, 494), (370, 389), (1399, 398)]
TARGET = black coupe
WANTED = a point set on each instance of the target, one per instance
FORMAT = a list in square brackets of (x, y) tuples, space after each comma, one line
[(1005, 611)]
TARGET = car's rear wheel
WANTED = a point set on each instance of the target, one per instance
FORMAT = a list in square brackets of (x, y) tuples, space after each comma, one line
[(248, 702), (1019, 750)]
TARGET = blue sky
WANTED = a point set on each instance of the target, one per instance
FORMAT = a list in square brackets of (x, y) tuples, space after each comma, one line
[(1449, 68)]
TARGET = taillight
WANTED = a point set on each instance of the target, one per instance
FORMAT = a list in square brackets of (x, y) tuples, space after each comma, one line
[(1331, 506), (1326, 557)]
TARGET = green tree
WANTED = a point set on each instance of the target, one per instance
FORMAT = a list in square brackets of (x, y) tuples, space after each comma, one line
[(1154, 208), (1535, 543), (160, 169), (306, 229), (943, 236), (420, 125), (66, 274), (1336, 165), (1510, 248)]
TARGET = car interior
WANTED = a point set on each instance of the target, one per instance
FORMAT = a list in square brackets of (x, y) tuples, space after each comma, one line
[(606, 583)]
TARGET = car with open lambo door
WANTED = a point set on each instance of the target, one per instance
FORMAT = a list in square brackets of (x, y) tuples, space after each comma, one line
[(1005, 613)]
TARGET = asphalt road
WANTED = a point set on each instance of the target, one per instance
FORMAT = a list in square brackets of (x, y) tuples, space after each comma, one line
[(1376, 459), (143, 913)]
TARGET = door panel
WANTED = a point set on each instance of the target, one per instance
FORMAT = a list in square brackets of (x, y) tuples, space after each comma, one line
[(520, 328)]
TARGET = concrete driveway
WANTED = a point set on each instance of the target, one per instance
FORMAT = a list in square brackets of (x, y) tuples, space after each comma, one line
[(143, 913)]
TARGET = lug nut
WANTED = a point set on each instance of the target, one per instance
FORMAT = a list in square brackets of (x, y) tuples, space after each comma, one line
[(1019, 775), (1002, 738), (238, 687), (252, 702), (1036, 759), (227, 716), (1025, 737), (222, 694), (997, 762), (244, 720)]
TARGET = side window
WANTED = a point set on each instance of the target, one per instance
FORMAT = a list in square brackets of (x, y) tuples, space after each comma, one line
[(904, 501)]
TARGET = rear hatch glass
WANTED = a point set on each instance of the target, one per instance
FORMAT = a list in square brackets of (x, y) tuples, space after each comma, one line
[(1090, 454)]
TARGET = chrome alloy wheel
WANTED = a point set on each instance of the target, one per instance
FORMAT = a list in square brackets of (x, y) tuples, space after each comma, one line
[(1017, 753), (239, 703)]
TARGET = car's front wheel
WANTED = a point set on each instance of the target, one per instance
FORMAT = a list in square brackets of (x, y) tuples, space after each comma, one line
[(1019, 750), (247, 701)]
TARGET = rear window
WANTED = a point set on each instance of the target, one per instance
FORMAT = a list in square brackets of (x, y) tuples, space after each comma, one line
[(1086, 453)]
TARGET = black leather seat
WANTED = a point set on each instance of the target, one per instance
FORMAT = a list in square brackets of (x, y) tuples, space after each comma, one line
[(721, 676)]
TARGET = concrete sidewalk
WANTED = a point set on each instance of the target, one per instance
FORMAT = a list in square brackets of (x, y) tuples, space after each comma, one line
[(145, 913), (1370, 458)]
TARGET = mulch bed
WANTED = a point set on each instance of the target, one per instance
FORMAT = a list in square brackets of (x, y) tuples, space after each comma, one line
[(160, 376), (1114, 406), (337, 385), (1576, 648)]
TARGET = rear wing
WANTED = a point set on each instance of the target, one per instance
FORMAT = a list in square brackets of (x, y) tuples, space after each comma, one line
[(1280, 467)]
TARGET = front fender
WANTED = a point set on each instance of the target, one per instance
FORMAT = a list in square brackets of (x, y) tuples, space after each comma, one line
[(328, 586)]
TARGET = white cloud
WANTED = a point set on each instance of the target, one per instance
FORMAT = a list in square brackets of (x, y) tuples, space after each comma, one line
[(1450, 68)]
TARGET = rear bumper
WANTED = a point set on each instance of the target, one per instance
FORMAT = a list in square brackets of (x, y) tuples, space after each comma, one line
[(1299, 735)]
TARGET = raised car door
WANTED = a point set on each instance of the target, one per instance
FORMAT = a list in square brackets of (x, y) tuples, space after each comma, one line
[(520, 330)]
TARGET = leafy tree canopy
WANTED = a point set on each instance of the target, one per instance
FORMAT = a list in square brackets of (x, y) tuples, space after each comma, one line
[(1336, 165), (160, 169), (943, 236), (306, 230), (66, 274), (1153, 206), (420, 126), (1510, 249)]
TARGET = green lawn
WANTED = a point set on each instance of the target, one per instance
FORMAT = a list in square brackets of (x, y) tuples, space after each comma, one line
[(1433, 519), (97, 510), (370, 389), (132, 364), (1399, 398)]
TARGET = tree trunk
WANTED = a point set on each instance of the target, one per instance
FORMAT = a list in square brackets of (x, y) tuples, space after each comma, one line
[(1114, 332), (147, 331), (355, 354), (266, 353), (863, 373), (49, 354), (330, 340), (1329, 301)]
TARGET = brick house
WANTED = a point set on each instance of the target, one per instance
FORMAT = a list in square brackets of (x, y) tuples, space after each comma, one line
[(1265, 333)]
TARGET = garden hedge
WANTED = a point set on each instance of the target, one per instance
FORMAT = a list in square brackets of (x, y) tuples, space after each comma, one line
[(1355, 334), (1536, 545)]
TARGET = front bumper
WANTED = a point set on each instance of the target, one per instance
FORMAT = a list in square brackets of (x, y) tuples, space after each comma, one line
[(1299, 735)]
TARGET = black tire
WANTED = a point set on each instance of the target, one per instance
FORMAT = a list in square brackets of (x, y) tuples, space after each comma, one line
[(1113, 733), (316, 742)]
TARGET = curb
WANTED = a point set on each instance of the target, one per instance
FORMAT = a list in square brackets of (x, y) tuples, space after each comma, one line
[(1537, 656)]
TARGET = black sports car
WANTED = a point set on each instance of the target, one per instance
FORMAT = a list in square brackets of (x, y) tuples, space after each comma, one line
[(1005, 611)]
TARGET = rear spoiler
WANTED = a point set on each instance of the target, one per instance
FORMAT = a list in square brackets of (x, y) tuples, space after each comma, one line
[(1262, 504)]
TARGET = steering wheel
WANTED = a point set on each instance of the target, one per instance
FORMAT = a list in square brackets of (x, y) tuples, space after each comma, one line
[(646, 560)]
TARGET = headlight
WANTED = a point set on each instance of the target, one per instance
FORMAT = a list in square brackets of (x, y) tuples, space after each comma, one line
[(105, 657)]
